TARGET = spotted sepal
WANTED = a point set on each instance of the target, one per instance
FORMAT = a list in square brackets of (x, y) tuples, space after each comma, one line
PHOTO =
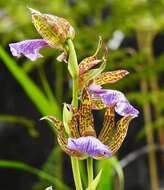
[(56, 123), (97, 103), (86, 123), (87, 64), (110, 77), (108, 125), (119, 134), (91, 61), (73, 124)]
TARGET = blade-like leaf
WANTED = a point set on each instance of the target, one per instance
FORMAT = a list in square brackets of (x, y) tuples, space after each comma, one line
[(41, 174), (110, 167), (95, 182), (51, 167), (118, 169), (31, 89)]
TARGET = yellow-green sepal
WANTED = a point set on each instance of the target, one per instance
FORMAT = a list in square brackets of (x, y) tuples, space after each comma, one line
[(93, 73), (67, 116)]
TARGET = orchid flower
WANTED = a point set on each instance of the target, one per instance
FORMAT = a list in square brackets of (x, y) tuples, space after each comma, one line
[(95, 78), (54, 31), (82, 141)]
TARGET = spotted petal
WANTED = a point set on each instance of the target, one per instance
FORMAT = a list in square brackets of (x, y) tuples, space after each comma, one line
[(110, 77), (73, 124), (109, 97), (119, 134), (90, 146), (57, 124), (91, 61), (29, 48), (62, 137), (97, 103), (87, 64), (108, 125), (59, 128), (85, 116)]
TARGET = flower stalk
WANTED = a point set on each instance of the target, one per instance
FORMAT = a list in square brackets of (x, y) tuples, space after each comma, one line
[(73, 69), (90, 170)]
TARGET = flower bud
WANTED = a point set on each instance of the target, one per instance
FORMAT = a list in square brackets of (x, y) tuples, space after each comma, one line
[(53, 29)]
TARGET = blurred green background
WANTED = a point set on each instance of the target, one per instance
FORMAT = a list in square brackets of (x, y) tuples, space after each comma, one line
[(133, 32)]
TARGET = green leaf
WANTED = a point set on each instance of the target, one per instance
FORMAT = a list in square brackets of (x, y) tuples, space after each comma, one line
[(41, 174), (106, 177), (83, 171), (53, 166), (31, 89), (95, 182), (118, 169), (109, 167)]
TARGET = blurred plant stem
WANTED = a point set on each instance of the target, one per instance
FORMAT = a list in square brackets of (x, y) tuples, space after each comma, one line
[(74, 161), (58, 81), (45, 84), (145, 39), (154, 84), (28, 123), (90, 170)]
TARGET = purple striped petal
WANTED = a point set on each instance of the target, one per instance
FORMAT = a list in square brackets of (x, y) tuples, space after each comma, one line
[(29, 48), (109, 97), (89, 145)]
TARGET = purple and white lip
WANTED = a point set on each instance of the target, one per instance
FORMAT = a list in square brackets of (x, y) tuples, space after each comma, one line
[(28, 48), (110, 97), (89, 145)]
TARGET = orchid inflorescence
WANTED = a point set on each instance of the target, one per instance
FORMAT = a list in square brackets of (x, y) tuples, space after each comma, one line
[(76, 134)]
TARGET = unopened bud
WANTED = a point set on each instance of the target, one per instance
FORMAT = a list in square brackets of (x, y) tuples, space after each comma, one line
[(53, 29)]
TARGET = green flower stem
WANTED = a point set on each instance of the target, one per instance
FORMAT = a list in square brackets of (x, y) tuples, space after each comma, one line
[(74, 72), (73, 69), (75, 92), (76, 173), (90, 170), (59, 72)]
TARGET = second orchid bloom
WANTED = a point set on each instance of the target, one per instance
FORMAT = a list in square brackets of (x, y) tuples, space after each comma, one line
[(81, 140), (78, 136)]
